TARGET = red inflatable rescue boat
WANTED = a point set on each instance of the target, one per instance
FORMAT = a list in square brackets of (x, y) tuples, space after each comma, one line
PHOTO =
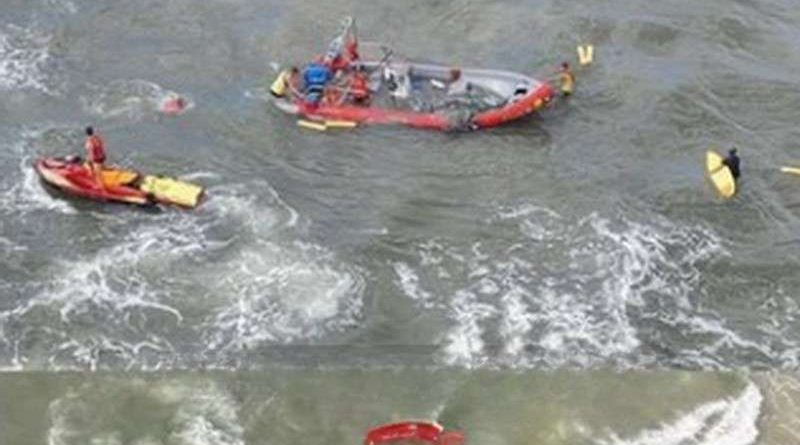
[(402, 91)]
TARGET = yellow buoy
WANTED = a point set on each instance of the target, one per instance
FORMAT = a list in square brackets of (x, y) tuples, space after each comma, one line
[(340, 124), (312, 125), (720, 175)]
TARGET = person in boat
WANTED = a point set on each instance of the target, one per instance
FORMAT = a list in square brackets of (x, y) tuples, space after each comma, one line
[(315, 77), (285, 81), (95, 154), (567, 80), (456, 84), (455, 75), (732, 162), (359, 86)]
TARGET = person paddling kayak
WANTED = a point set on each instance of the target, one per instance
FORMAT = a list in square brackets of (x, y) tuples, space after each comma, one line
[(95, 154), (732, 161)]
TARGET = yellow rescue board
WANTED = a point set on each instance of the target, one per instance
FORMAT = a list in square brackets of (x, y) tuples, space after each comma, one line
[(172, 190), (720, 175), (793, 170)]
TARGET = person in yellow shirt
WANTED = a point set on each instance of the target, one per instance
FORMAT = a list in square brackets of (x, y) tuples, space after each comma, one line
[(567, 80), (284, 82)]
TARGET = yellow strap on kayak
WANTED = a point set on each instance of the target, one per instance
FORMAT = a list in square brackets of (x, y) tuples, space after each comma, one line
[(172, 191)]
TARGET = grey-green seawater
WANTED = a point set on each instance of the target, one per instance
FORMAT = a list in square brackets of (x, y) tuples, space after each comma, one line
[(454, 276)]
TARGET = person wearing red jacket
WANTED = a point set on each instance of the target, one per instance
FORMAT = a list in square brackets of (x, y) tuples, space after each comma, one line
[(359, 86), (95, 154)]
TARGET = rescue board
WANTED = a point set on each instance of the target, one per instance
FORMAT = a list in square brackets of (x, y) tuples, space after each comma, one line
[(172, 190), (720, 175), (792, 170)]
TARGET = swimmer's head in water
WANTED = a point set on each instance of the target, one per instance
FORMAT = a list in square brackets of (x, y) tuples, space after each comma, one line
[(89, 131)]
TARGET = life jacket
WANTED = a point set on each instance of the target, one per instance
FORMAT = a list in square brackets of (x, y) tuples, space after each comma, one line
[(316, 75), (567, 82), (358, 86), (95, 150), (278, 88)]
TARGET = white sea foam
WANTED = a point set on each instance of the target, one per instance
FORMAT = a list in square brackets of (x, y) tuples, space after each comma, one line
[(732, 421), (275, 290), (236, 265), (22, 192), (196, 413), (24, 56), (566, 293), (109, 292), (409, 283), (271, 293), (132, 99)]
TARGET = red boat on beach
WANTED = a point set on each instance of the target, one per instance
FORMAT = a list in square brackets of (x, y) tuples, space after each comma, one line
[(348, 86)]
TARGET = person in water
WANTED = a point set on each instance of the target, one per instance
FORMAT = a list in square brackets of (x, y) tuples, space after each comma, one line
[(567, 80), (173, 104), (285, 81), (732, 162), (95, 154)]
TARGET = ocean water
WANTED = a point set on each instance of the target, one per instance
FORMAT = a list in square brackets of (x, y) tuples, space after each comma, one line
[(569, 278)]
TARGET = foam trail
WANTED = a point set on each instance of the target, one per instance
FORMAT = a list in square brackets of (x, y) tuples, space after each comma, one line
[(133, 99), (732, 421), (124, 305)]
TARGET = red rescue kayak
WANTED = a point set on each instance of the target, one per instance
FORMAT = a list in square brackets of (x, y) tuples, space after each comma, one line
[(72, 176)]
